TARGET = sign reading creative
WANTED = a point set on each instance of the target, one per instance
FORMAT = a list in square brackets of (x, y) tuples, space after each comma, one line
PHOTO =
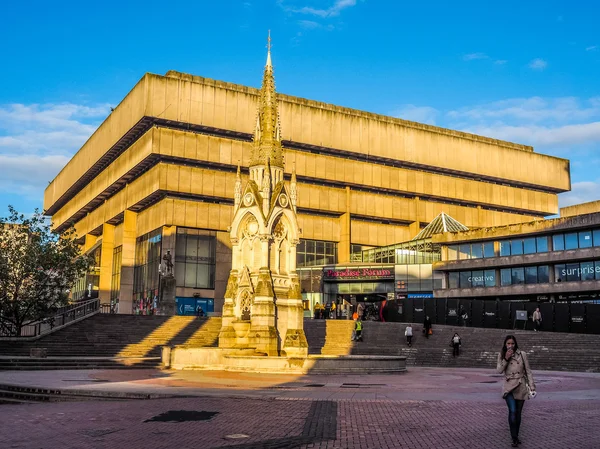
[(358, 274)]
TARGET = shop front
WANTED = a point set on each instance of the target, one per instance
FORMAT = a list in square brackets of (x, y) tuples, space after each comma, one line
[(350, 285)]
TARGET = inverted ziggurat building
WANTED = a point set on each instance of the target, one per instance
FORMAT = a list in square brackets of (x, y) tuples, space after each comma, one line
[(161, 174)]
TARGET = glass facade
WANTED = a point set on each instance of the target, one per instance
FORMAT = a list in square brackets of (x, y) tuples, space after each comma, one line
[(315, 252), (407, 253), (575, 240), (517, 247), (195, 258), (115, 284), (145, 272), (477, 250), (87, 286)]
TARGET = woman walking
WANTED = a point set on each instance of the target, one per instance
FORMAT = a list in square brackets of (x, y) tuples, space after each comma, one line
[(518, 381)]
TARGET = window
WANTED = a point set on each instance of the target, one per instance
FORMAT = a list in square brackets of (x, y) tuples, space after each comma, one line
[(531, 275), (529, 246), (516, 247), (319, 252), (542, 244), (560, 272), (195, 258), (476, 250), (453, 251), (558, 242), (505, 276), (543, 274), (518, 275), (572, 272), (596, 234), (147, 259), (587, 271), (477, 279), (585, 239), (505, 248), (465, 279), (488, 249), (115, 284), (465, 251), (490, 278), (571, 240), (453, 279)]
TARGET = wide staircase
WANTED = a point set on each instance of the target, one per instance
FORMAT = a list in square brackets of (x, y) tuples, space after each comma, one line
[(116, 341), (480, 347), (111, 341)]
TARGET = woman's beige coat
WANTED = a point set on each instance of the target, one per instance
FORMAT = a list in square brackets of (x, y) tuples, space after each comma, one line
[(515, 371)]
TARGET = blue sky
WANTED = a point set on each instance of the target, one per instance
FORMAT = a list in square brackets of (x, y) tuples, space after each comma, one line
[(526, 72)]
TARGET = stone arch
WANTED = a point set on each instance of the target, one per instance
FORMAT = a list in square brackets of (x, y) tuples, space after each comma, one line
[(245, 300)]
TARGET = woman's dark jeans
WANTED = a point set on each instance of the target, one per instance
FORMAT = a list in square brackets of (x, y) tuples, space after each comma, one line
[(456, 349), (515, 407)]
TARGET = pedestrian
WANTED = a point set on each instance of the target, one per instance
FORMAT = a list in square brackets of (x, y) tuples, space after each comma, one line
[(455, 343), (427, 327), (358, 330), (537, 319), (333, 310), (408, 334), (199, 311), (518, 383)]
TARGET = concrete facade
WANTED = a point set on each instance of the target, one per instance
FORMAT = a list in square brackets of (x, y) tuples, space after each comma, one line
[(165, 159)]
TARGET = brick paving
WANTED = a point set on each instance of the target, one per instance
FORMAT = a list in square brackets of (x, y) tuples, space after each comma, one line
[(450, 409)]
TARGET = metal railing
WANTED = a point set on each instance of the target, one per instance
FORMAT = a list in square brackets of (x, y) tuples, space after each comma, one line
[(65, 315)]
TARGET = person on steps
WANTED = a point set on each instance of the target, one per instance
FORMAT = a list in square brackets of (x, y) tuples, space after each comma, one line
[(455, 343), (408, 334), (537, 319), (518, 383), (427, 326), (358, 330)]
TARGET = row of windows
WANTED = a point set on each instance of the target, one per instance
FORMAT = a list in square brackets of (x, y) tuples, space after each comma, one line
[(576, 240), (570, 272), (508, 276), (525, 275), (530, 245), (147, 259), (583, 271), (315, 252)]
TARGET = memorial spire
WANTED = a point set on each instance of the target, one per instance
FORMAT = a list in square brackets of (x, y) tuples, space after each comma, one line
[(267, 134)]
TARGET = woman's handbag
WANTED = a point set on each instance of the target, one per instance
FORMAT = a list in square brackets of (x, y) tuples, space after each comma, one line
[(530, 393)]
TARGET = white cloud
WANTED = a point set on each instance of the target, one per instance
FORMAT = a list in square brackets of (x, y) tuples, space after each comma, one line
[(591, 48), (334, 10), (37, 140), (309, 24), (546, 136), (533, 109), (473, 56), (538, 64), (500, 61), (581, 192), (421, 114)]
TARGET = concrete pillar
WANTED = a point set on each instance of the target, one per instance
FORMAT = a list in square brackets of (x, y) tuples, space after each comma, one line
[(344, 246), (128, 262), (415, 227), (90, 240), (106, 262)]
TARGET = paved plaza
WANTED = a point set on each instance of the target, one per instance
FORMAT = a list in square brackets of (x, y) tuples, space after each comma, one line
[(423, 408)]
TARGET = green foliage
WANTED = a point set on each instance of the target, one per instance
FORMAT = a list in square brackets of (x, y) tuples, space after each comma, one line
[(38, 266)]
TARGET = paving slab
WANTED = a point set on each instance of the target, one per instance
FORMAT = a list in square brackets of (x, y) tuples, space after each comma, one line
[(422, 408)]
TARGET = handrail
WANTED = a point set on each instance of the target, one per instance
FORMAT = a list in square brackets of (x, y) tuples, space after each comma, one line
[(67, 314)]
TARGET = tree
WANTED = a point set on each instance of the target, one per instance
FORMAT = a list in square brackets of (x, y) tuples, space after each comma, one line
[(38, 266)]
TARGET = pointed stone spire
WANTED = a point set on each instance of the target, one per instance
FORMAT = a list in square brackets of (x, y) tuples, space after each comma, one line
[(267, 134), (266, 189)]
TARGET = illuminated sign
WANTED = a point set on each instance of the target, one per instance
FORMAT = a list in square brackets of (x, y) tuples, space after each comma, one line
[(358, 274)]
